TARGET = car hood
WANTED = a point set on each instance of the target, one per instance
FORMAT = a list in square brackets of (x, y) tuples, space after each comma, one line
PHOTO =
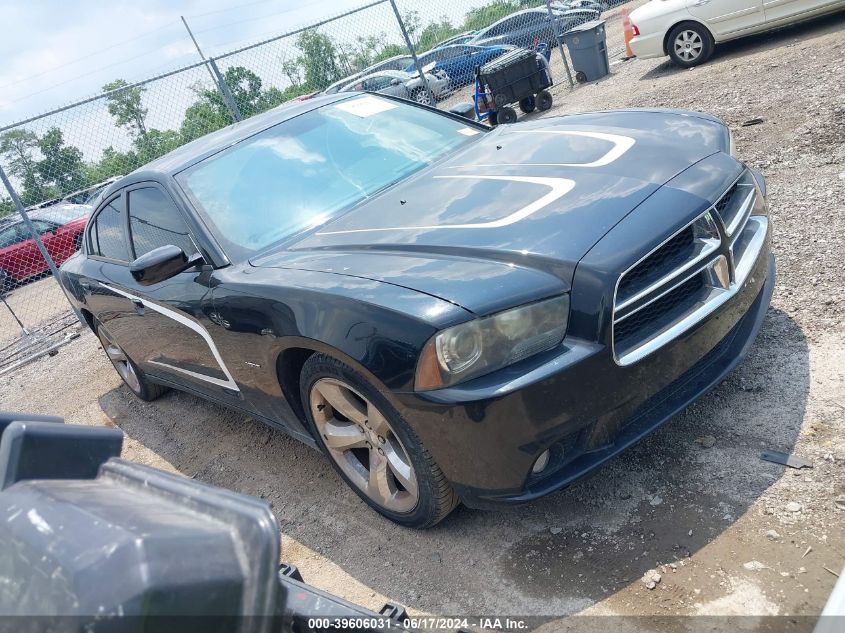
[(507, 219)]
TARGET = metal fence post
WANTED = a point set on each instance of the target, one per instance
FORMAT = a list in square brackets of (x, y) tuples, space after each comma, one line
[(413, 52), (216, 76), (553, 22), (227, 94), (37, 239)]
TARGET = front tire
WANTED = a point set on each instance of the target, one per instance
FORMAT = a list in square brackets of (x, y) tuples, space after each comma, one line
[(527, 104), (544, 100), (507, 115), (128, 371), (690, 44), (371, 446), (421, 96)]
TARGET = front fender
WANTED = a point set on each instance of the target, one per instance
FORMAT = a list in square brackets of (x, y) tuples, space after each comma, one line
[(376, 328)]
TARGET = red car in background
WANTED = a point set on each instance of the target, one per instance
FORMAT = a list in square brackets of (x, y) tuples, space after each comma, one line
[(60, 223), (60, 227)]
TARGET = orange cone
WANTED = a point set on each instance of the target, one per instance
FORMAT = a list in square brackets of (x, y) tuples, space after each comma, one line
[(628, 28)]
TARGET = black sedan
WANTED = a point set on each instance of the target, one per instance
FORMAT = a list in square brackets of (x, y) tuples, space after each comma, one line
[(450, 313)]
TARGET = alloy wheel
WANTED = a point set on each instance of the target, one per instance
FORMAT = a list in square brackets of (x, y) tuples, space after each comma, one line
[(689, 45), (120, 361), (364, 445), (422, 97)]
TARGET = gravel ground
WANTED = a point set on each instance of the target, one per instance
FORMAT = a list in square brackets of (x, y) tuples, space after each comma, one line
[(693, 504)]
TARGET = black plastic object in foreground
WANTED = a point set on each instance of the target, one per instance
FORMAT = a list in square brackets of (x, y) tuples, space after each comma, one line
[(137, 549), (46, 450), (137, 542), (7, 417)]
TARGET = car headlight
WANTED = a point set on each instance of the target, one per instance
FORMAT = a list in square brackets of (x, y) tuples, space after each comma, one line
[(484, 345)]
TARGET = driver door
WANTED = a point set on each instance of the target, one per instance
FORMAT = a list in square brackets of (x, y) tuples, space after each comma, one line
[(172, 339)]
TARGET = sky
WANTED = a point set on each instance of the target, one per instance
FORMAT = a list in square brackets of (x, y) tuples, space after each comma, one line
[(54, 52)]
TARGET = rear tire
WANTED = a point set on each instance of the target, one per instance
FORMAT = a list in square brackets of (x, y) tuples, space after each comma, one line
[(128, 371), (507, 115), (371, 446), (690, 44), (527, 105)]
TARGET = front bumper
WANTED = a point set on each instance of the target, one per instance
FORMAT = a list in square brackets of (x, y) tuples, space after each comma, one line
[(581, 405)]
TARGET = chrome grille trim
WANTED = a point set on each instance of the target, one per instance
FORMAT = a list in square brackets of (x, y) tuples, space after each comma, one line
[(666, 291), (707, 248), (737, 247)]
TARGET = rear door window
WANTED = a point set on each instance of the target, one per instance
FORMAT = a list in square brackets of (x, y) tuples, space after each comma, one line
[(108, 237)]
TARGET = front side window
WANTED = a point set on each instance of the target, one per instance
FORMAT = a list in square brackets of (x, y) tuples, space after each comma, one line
[(107, 236), (43, 226), (303, 172), (11, 235), (154, 221)]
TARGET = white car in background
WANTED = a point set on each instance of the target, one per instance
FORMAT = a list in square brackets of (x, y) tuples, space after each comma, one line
[(688, 30)]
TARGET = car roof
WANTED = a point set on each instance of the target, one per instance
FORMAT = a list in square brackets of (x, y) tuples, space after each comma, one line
[(389, 59), (197, 150)]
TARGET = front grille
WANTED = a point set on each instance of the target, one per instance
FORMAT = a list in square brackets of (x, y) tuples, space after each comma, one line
[(663, 261), (642, 323), (725, 200), (689, 275), (735, 206)]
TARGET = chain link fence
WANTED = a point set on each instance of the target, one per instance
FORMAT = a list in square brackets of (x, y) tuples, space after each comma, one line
[(54, 165)]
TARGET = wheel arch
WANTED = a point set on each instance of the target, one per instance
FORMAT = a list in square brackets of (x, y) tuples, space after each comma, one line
[(680, 23), (291, 359), (89, 319)]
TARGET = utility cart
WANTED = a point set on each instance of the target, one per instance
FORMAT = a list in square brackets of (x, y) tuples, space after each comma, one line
[(521, 76)]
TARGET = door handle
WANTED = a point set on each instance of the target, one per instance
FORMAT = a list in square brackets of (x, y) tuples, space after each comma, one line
[(700, 3), (139, 306)]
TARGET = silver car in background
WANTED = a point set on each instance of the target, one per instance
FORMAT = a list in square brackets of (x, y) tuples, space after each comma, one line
[(401, 84)]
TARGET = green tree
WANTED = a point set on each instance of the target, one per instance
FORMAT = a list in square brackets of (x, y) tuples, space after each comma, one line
[(62, 164), (318, 60), (7, 207), (293, 71), (17, 148), (113, 163), (434, 33), (485, 15), (201, 118), (126, 107), (156, 143), (412, 22)]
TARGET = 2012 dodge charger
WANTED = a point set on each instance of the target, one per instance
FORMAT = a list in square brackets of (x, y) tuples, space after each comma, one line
[(450, 313)]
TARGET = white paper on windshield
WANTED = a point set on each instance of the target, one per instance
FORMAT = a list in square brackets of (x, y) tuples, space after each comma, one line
[(467, 131), (365, 106)]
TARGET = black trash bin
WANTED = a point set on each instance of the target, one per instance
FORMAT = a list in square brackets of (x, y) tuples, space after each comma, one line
[(587, 46)]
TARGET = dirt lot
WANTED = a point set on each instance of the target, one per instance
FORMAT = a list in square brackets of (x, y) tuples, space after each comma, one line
[(729, 534)]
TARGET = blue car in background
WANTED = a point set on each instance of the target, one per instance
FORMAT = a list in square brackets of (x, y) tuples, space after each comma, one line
[(459, 60)]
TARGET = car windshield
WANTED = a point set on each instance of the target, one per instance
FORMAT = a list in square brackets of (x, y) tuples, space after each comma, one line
[(305, 171)]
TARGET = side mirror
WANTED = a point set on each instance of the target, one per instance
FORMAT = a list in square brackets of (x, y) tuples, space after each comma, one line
[(162, 263), (395, 82)]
